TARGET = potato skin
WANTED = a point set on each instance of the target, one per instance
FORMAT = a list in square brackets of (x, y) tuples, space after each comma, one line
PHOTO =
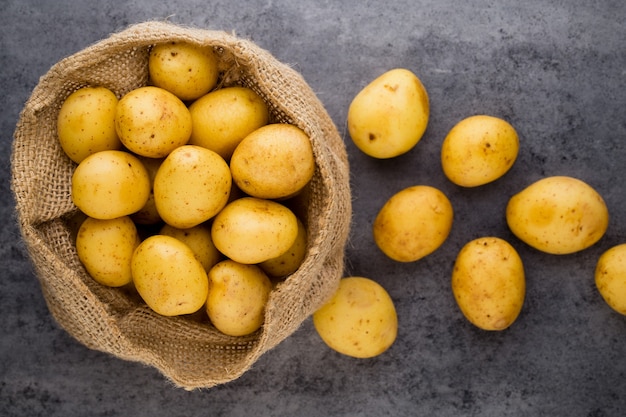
[(359, 320), (479, 150), (110, 184), (610, 277), (168, 276), (86, 123), (558, 215), (237, 297), (389, 116), (413, 223), (106, 247), (488, 283)]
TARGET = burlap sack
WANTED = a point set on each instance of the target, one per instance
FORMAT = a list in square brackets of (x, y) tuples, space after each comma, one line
[(190, 353)]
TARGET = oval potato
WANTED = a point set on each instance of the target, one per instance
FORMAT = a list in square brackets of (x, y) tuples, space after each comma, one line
[(390, 115), (191, 186), (237, 297), (359, 320), (106, 247), (150, 121), (110, 184), (86, 123), (479, 150), (610, 277), (413, 223), (198, 238), (558, 215), (251, 230), (168, 277), (488, 283)]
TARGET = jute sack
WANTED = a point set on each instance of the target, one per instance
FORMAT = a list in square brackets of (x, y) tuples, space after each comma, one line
[(189, 352)]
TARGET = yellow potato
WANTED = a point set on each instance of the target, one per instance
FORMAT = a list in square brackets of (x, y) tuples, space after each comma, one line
[(105, 248), (110, 184), (290, 261), (198, 238), (149, 214), (275, 161), (558, 215), (237, 297), (251, 230), (610, 277), (188, 71), (488, 283), (413, 223), (191, 186), (151, 121), (478, 150), (223, 117), (168, 277), (86, 123), (390, 115), (359, 320)]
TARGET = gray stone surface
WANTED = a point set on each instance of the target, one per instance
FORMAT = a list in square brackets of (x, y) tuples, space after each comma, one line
[(555, 69)]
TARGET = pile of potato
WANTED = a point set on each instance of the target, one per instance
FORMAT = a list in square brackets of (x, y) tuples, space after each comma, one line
[(556, 215), (184, 188)]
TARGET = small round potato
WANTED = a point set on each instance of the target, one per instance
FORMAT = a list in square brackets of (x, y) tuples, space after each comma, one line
[(105, 248), (478, 150), (198, 238), (558, 215), (359, 320), (168, 277), (86, 123), (188, 71), (390, 115), (237, 297), (290, 261), (150, 121), (191, 186), (275, 161), (488, 283), (110, 184), (413, 223), (223, 117), (251, 230), (610, 277)]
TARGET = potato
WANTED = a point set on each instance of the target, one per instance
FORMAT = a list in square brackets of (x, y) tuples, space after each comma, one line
[(86, 123), (223, 117), (168, 277), (413, 223), (488, 283), (106, 247), (610, 277), (110, 184), (149, 214), (152, 122), (390, 115), (251, 230), (191, 186), (237, 297), (558, 215), (290, 261), (198, 238), (359, 320), (479, 150), (273, 162), (188, 71)]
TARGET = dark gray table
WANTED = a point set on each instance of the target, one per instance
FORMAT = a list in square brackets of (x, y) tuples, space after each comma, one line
[(556, 70)]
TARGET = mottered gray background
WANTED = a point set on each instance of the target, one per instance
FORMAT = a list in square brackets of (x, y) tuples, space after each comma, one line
[(555, 69)]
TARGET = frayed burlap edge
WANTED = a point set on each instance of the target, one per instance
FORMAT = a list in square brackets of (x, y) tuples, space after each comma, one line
[(191, 354)]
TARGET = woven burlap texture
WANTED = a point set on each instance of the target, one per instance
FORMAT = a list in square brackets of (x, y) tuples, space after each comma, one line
[(189, 352)]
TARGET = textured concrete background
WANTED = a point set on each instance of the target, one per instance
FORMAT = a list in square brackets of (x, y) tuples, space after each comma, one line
[(555, 69)]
